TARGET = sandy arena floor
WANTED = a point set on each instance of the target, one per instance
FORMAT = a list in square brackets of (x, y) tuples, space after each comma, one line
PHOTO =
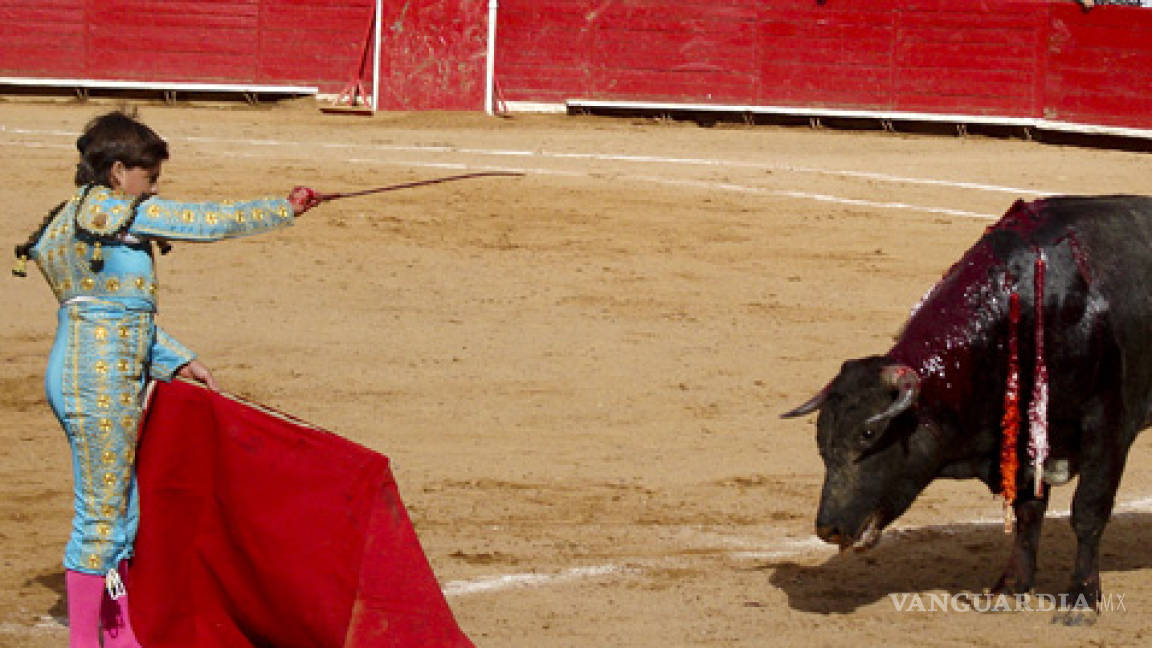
[(578, 372)]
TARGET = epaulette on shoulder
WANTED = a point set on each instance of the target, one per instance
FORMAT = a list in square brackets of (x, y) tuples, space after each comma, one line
[(104, 213)]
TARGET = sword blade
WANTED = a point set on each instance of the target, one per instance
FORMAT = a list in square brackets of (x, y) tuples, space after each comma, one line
[(324, 197)]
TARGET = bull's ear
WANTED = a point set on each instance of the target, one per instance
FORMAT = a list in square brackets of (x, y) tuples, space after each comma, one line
[(812, 405)]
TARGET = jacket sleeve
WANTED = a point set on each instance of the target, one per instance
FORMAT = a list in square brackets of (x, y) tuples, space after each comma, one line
[(168, 356), (106, 212)]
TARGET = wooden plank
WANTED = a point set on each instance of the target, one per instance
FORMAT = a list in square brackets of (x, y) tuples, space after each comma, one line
[(313, 42), (235, 42), (435, 54), (13, 17), (44, 38), (825, 84), (970, 7), (1100, 67), (960, 104), (959, 58), (826, 52), (968, 57), (972, 82), (675, 17), (673, 86), (203, 66), (828, 38), (671, 52)]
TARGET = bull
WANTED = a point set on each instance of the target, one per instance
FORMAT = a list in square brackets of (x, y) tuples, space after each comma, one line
[(933, 406)]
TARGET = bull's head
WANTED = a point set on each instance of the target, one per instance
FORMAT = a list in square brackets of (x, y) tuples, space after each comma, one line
[(878, 454)]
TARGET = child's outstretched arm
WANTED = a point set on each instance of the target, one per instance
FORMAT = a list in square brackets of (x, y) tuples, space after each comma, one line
[(108, 213)]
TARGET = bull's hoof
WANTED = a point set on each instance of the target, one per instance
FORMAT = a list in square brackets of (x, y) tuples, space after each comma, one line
[(1076, 617), (1080, 606)]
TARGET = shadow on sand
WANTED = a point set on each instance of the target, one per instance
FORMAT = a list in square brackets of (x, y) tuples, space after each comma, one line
[(960, 558), (53, 581)]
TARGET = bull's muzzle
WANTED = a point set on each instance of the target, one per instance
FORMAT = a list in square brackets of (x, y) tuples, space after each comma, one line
[(864, 538)]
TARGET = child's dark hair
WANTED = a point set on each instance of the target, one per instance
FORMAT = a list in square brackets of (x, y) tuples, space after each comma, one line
[(116, 137)]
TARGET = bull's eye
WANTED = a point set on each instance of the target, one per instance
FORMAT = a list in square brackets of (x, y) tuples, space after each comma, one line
[(872, 429)]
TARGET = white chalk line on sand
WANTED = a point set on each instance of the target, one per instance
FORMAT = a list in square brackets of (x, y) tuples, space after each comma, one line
[(600, 157), (779, 549), (696, 184), (643, 159), (530, 579), (803, 195)]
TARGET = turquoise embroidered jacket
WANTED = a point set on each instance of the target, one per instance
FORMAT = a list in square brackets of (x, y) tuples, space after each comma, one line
[(103, 223)]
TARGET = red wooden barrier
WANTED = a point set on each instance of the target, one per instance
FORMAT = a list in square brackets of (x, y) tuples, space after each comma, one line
[(432, 54), (701, 48), (1009, 59), (969, 58), (268, 42), (1099, 66), (840, 55), (1020, 59), (543, 48), (43, 39)]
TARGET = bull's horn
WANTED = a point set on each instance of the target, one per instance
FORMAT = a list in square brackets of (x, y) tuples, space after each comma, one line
[(906, 382), (812, 405)]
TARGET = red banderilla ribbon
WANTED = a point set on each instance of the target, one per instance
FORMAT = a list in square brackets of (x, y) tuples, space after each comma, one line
[(324, 197), (1009, 461)]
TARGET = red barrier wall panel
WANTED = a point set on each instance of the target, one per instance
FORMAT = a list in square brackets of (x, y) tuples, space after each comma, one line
[(1016, 58), (827, 57), (968, 57), (42, 39), (433, 54), (543, 49), (1100, 67), (674, 51), (185, 41), (267, 42), (314, 42)]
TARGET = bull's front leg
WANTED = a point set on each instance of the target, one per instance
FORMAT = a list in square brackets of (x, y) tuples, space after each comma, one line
[(1020, 572)]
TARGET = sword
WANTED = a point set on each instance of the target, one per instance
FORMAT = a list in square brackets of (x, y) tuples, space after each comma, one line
[(325, 197)]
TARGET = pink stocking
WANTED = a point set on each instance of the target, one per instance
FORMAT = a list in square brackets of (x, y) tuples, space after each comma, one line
[(117, 625), (85, 591)]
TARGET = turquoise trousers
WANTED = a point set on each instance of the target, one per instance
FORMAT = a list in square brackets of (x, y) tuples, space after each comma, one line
[(96, 376)]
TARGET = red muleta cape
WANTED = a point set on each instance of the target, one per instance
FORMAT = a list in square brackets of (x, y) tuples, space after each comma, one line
[(260, 530)]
